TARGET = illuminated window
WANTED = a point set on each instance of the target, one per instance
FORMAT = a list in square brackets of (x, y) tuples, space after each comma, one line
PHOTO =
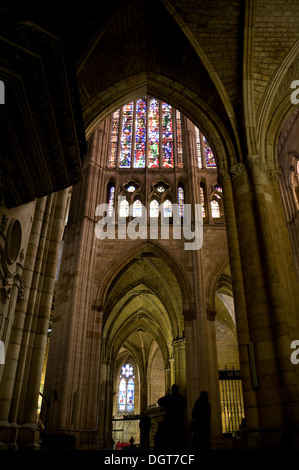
[(154, 208), (146, 132), (124, 208), (179, 139), (114, 140), (126, 138), (181, 201), (111, 198), (202, 200), (126, 390), (198, 147), (140, 135), (137, 208), (153, 134), (167, 208), (204, 151), (215, 209), (167, 136)]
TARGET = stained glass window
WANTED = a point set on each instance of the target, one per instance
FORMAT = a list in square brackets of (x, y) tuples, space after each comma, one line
[(167, 136), (114, 139), (198, 147), (111, 200), (154, 208), (137, 208), (124, 208), (126, 138), (167, 208), (179, 139), (131, 188), (202, 200), (126, 389), (215, 209), (122, 395), (153, 134), (210, 159), (141, 130), (130, 395), (181, 201), (140, 134)]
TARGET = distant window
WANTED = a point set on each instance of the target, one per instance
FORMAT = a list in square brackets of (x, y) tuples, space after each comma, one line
[(126, 390), (202, 200), (146, 132), (154, 208), (215, 209), (181, 201), (111, 198), (124, 208), (137, 208), (167, 208)]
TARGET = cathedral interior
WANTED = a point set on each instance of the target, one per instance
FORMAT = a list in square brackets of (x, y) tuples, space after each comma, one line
[(149, 227)]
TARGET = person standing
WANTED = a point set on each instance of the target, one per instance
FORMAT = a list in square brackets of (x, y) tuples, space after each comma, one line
[(174, 405), (201, 423), (145, 425)]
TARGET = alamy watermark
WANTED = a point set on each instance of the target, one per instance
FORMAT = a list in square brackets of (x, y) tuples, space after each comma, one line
[(2, 353), (295, 93), (189, 224), (295, 354), (2, 92)]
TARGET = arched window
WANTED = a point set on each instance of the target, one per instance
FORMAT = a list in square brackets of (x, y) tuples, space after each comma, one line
[(126, 390), (124, 208), (146, 132), (153, 134), (215, 209), (198, 147), (210, 159), (154, 208), (181, 201), (140, 134), (179, 139), (167, 208), (205, 156), (137, 208), (114, 139), (202, 199), (167, 136), (126, 137), (111, 199)]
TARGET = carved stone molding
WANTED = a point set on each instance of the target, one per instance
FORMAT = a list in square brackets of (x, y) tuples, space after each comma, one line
[(237, 169)]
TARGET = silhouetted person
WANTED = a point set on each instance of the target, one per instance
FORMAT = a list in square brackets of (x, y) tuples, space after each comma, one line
[(145, 425), (201, 422), (174, 406)]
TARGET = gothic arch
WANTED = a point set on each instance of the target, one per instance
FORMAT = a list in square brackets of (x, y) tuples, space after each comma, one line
[(141, 249)]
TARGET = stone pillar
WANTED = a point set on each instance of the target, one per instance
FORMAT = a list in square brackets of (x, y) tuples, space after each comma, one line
[(266, 326), (242, 322), (179, 352)]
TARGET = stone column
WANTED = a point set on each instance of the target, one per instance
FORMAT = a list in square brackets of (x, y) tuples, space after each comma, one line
[(268, 323), (179, 352)]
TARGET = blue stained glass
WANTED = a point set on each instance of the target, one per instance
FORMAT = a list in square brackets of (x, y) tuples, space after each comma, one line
[(167, 208), (181, 201), (210, 159), (153, 134), (167, 136), (126, 141), (114, 138), (130, 395), (122, 395), (179, 139), (140, 135), (111, 201)]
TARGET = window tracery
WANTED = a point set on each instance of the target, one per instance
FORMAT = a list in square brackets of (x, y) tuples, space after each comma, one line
[(126, 389)]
